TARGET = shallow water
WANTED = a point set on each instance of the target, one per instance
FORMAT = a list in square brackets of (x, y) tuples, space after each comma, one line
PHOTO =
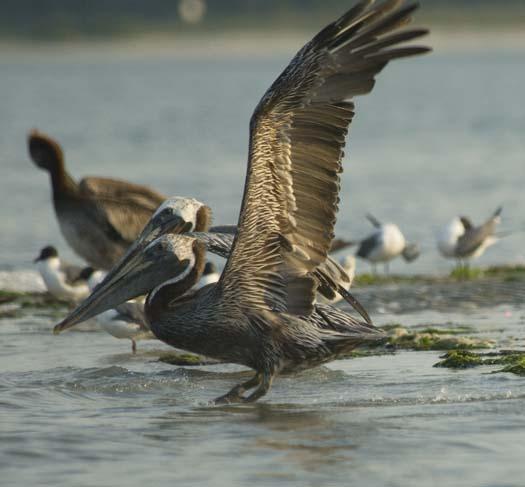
[(439, 135), (81, 409)]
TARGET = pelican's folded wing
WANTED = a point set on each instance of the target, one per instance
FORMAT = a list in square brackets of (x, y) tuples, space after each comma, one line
[(123, 206)]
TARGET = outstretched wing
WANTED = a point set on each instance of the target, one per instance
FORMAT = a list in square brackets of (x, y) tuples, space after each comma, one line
[(330, 278), (123, 206), (297, 135)]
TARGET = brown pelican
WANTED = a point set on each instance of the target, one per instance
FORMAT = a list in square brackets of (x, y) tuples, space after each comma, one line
[(62, 280), (98, 217), (460, 239), (179, 214), (262, 312), (386, 243)]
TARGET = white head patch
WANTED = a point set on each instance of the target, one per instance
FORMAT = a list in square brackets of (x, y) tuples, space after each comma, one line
[(185, 208)]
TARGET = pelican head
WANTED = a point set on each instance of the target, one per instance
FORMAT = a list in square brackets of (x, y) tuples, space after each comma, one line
[(169, 258), (45, 152), (176, 215)]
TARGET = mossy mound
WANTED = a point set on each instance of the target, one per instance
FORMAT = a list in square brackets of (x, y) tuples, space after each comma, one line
[(367, 279), (513, 360), (518, 367), (183, 358), (460, 359), (433, 339), (18, 301), (467, 273), (506, 273)]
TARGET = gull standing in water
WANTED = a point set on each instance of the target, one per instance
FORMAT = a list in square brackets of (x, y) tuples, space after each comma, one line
[(385, 244), (461, 240), (127, 320), (98, 217), (262, 312), (62, 280)]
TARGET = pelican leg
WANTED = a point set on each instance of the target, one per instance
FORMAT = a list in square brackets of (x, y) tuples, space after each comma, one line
[(265, 383), (133, 346), (235, 395)]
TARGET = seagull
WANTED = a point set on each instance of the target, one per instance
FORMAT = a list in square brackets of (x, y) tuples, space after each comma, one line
[(98, 217), (385, 244), (210, 275), (461, 240), (127, 320), (62, 279), (262, 312)]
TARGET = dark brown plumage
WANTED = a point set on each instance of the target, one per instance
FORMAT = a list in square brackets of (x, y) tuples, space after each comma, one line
[(99, 217)]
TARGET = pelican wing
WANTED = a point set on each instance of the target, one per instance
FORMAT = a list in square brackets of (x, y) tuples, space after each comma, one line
[(297, 135), (124, 206), (330, 276)]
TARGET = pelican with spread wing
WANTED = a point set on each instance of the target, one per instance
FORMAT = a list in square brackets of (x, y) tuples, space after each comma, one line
[(262, 312)]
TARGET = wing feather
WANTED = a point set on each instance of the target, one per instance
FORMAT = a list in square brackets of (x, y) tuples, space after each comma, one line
[(297, 136)]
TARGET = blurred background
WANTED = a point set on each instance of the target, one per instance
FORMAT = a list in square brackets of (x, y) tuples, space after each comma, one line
[(160, 92)]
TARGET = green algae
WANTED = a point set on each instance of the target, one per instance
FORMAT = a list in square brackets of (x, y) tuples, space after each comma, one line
[(10, 296), (32, 300), (508, 273), (425, 339), (517, 368), (505, 273), (178, 358), (463, 273), (367, 279), (365, 352), (460, 359), (458, 330), (513, 360)]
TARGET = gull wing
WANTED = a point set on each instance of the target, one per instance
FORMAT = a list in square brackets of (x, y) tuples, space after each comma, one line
[(297, 135), (474, 237)]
